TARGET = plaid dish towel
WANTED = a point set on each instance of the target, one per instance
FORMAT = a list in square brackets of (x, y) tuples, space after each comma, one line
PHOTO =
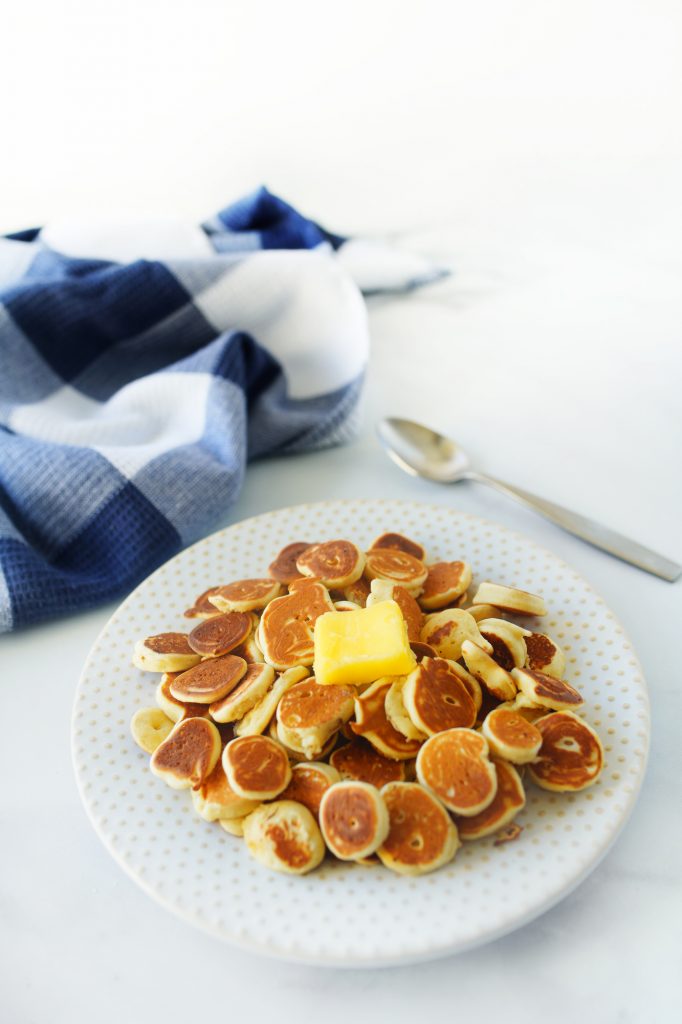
[(142, 365)]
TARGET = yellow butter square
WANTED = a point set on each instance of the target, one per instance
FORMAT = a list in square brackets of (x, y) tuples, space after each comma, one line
[(361, 646)]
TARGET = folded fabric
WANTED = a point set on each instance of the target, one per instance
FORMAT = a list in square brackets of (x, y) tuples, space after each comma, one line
[(143, 364)]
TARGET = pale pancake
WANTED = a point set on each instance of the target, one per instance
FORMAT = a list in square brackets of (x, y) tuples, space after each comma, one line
[(506, 640), (150, 727), (256, 767), (246, 595), (286, 628), (445, 583), (346, 606), (165, 652), (209, 681), (336, 563), (253, 685), (283, 568), (357, 760), (274, 731), (357, 592), (546, 691), (188, 756), (353, 819), (372, 723), (397, 542), (511, 736), (220, 634), (571, 757), (543, 654), (215, 800), (397, 713), (284, 836), (454, 766), (258, 718), (436, 698), (494, 678), (446, 631), (421, 835), (309, 782), (508, 801), (509, 599), (397, 567), (481, 611)]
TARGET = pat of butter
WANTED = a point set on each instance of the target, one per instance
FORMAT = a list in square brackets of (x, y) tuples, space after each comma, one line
[(361, 646)]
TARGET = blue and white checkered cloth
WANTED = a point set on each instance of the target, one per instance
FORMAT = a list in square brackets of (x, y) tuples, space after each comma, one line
[(143, 365)]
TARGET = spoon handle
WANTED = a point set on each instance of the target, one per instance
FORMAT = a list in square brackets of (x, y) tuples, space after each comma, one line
[(594, 533)]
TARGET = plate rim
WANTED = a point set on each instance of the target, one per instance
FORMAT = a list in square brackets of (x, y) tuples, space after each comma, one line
[(349, 961)]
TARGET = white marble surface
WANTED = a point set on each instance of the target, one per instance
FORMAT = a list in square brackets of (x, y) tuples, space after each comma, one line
[(536, 149)]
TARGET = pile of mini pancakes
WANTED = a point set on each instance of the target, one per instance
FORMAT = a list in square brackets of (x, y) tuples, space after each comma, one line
[(400, 770)]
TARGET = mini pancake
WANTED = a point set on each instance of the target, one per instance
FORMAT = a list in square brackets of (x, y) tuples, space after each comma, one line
[(397, 542), (202, 607), (571, 757), (421, 835), (233, 826), (249, 651), (437, 699), (546, 691), (177, 710), (336, 563), (220, 634), (256, 767), (544, 655), (258, 718), (509, 599), (309, 782), (353, 819), (496, 679), (506, 640), (397, 713), (308, 714), (165, 652), (510, 736), (524, 707), (471, 682), (210, 680), (150, 727), (446, 631), (445, 583), (346, 606), (215, 800), (283, 569), (357, 592), (246, 595), (285, 634), (357, 760), (397, 567), (274, 731), (188, 756), (372, 723), (385, 590), (482, 611), (507, 802), (253, 685), (284, 836), (421, 650), (454, 766)]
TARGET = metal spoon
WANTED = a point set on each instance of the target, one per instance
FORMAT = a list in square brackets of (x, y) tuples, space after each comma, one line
[(423, 452)]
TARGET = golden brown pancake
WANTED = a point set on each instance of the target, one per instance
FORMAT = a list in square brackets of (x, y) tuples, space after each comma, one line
[(220, 634), (202, 607), (283, 569), (336, 563), (286, 627), (353, 819), (372, 723), (176, 709), (436, 698), (412, 613), (397, 542), (249, 650), (454, 766), (421, 834), (421, 650), (189, 755), (571, 757), (445, 583), (169, 643), (256, 767), (396, 566), (209, 681), (246, 595), (357, 592), (506, 804), (546, 691), (216, 800), (283, 835), (309, 782), (544, 655), (357, 760), (506, 640), (511, 737), (447, 630), (307, 704), (253, 685)]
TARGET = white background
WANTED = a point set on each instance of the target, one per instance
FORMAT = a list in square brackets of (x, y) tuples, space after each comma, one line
[(535, 147)]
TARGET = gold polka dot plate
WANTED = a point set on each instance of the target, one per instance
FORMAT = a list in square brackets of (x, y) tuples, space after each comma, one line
[(344, 914)]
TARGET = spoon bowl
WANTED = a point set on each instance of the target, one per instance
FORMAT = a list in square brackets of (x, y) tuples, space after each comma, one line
[(423, 452)]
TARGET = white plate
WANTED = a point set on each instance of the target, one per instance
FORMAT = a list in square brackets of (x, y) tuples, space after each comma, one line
[(341, 914)]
